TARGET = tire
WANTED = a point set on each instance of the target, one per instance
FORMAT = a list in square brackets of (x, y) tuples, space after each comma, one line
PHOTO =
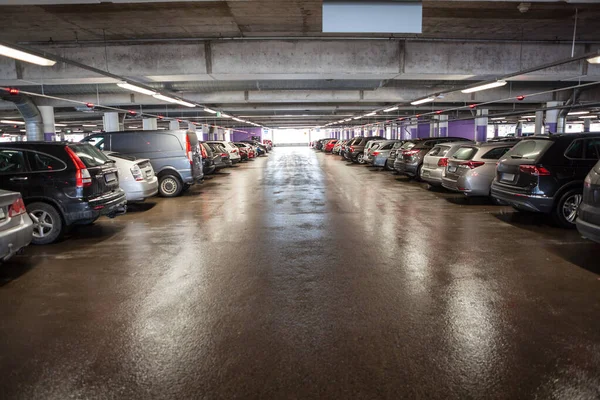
[(566, 209), (47, 223), (361, 158), (418, 175), (169, 186)]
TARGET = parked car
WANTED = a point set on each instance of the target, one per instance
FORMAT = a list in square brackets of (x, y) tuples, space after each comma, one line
[(234, 153), (249, 149), (208, 159), (338, 146), (472, 168), (220, 155), (259, 148), (588, 220), (62, 184), (546, 174), (380, 155), (393, 154), (435, 162), (409, 159), (175, 155), (16, 227), (243, 151), (355, 151), (320, 144), (268, 143), (328, 148), (136, 177), (369, 148)]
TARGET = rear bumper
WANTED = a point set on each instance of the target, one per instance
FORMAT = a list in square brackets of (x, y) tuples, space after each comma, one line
[(14, 239), (527, 202), (406, 169), (588, 230), (379, 161), (469, 185), (142, 190), (432, 176), (110, 204)]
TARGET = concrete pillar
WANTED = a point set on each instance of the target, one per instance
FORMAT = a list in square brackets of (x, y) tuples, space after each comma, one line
[(587, 123), (110, 121), (552, 117), (496, 130), (443, 125), (539, 123), (519, 130), (414, 126), (481, 123), (150, 124), (434, 126), (191, 127), (48, 122), (174, 125)]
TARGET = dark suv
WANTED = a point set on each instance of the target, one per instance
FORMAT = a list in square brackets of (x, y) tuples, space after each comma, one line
[(409, 157), (546, 174), (356, 147), (588, 221), (62, 184)]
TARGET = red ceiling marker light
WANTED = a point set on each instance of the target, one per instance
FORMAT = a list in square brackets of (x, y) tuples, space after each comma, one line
[(439, 112), (89, 105), (472, 105), (13, 91), (131, 112), (521, 98), (160, 117)]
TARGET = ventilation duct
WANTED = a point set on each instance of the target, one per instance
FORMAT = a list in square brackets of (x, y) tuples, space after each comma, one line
[(31, 114), (372, 16)]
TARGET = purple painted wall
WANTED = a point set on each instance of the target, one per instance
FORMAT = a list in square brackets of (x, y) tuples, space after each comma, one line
[(423, 130), (464, 129), (246, 134)]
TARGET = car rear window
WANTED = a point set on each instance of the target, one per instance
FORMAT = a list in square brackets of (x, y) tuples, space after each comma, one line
[(495, 154), (91, 156), (387, 146), (439, 151), (465, 153), (122, 156), (529, 149), (408, 146)]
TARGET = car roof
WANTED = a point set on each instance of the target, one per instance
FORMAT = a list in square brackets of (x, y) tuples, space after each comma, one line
[(37, 144)]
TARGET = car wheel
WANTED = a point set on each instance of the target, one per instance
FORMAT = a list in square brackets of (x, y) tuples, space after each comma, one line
[(361, 158), (418, 175), (169, 186), (567, 208), (47, 223)]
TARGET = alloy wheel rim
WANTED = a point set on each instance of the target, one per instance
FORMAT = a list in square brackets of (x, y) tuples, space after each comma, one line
[(168, 186), (571, 207), (361, 158), (43, 223)]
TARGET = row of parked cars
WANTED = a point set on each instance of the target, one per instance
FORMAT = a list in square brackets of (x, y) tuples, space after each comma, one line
[(557, 175), (48, 187)]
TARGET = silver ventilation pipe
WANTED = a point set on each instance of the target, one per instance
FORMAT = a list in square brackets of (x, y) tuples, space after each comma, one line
[(31, 114), (562, 115)]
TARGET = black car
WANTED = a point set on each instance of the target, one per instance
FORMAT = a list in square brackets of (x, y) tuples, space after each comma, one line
[(208, 159), (588, 220), (62, 184), (546, 174), (356, 147)]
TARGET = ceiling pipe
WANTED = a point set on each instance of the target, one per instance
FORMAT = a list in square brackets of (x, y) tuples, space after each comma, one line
[(30, 113), (568, 106)]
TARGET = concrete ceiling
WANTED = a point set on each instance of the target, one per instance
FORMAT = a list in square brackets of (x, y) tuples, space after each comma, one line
[(268, 61)]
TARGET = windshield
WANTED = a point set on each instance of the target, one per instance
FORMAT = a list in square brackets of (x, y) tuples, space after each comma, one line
[(528, 149), (91, 156)]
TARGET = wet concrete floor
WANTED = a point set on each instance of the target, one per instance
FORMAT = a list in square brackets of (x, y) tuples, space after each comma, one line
[(300, 276)]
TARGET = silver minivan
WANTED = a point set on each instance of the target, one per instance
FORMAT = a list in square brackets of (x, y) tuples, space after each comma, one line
[(175, 155)]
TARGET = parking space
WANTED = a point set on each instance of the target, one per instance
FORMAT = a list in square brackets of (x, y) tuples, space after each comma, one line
[(300, 273)]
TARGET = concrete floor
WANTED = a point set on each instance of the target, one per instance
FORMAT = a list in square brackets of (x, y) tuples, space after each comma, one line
[(299, 276)]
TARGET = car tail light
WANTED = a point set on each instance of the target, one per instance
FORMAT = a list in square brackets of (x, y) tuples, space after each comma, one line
[(471, 164), (443, 162), (224, 155), (376, 153), (588, 181), (188, 149), (234, 151), (351, 149), (534, 170), (137, 173), (17, 208), (203, 151), (410, 152), (82, 175)]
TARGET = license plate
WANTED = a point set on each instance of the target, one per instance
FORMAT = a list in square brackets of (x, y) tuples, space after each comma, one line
[(451, 168), (111, 177), (508, 177), (425, 173), (148, 174)]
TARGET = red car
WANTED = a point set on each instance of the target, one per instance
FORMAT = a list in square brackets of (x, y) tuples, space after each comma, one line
[(330, 145)]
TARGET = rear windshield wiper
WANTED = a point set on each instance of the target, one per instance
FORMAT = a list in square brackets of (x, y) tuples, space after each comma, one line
[(516, 156), (109, 162)]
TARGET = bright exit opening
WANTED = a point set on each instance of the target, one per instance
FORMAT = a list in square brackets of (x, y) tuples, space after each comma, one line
[(291, 136)]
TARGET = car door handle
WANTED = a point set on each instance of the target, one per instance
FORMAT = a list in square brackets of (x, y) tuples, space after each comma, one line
[(18, 178)]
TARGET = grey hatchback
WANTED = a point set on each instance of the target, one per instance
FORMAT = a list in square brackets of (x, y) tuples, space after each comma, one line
[(175, 155)]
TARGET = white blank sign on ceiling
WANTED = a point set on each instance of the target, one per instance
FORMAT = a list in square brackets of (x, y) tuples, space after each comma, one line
[(363, 16)]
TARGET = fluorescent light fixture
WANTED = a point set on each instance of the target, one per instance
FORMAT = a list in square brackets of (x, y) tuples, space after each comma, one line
[(185, 103), (370, 114), (575, 123), (523, 120), (208, 110), (497, 119), (390, 109), (11, 122), (133, 88), (528, 116), (588, 116), (22, 130), (594, 60), (89, 126), (97, 131), (27, 57), (484, 87), (165, 98), (225, 116), (357, 118), (578, 113), (60, 125), (422, 101)]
